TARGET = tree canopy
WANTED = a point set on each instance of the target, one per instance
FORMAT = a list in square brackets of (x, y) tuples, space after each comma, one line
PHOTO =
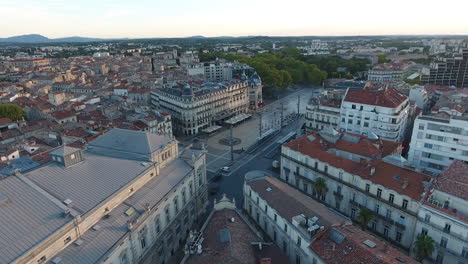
[(365, 216), (279, 70), (12, 111), (424, 246)]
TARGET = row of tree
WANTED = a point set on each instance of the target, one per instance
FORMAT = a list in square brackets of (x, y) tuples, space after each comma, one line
[(278, 71), (11, 111)]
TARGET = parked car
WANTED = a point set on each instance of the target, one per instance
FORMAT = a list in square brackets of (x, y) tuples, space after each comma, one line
[(226, 169)]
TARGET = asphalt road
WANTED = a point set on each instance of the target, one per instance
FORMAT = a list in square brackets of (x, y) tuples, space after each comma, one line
[(232, 183)]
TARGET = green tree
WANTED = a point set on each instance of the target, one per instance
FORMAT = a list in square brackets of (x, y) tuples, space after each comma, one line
[(320, 187), (382, 58), (424, 246), (365, 216), (12, 111)]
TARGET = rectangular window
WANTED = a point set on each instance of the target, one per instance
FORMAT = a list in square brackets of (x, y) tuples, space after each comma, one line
[(386, 230), (366, 124), (275, 217), (388, 214), (465, 252), (424, 231), (285, 228), (391, 198), (443, 242), (427, 218), (376, 209), (298, 241), (404, 204), (398, 237), (447, 227), (379, 193), (266, 209), (367, 187)]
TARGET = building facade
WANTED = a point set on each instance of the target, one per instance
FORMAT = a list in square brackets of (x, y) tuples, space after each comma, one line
[(444, 216), (359, 173), (453, 72), (194, 109), (81, 211), (324, 115), (309, 232), (381, 111), (438, 141)]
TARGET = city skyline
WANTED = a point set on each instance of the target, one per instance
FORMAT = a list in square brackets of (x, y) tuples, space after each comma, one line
[(146, 19)]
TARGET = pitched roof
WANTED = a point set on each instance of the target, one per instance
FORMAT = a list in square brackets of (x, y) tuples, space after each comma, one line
[(454, 180), (129, 144), (352, 248), (238, 249), (27, 217), (389, 97), (401, 180)]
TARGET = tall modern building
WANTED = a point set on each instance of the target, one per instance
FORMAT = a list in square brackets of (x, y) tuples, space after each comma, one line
[(452, 72), (380, 111), (129, 197), (437, 141)]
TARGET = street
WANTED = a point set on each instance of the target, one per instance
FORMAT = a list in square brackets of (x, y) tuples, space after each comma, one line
[(231, 183)]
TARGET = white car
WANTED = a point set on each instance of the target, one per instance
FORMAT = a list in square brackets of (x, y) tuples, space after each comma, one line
[(225, 169)]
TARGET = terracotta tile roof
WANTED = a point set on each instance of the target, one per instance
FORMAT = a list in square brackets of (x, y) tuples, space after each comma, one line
[(352, 249), (62, 114), (401, 180), (236, 251), (4, 121), (389, 97), (454, 180)]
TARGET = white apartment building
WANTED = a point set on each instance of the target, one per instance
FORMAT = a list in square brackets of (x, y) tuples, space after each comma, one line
[(388, 72), (419, 96), (284, 222), (309, 232), (438, 141), (381, 75), (444, 215), (194, 109), (218, 71), (381, 111), (359, 172), (324, 115), (128, 197)]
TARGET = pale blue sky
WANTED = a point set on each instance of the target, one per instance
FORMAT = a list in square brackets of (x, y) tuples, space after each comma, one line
[(182, 18)]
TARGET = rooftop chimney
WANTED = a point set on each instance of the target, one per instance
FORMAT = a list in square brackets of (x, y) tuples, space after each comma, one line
[(372, 171)]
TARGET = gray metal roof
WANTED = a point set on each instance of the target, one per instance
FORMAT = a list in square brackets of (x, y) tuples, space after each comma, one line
[(89, 182), (97, 243), (22, 164), (64, 150), (128, 144), (26, 218)]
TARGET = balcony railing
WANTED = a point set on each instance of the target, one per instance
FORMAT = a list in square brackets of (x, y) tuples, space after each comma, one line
[(399, 207), (442, 229)]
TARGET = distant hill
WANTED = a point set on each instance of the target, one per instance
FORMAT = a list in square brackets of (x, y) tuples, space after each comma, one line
[(36, 38), (197, 37)]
